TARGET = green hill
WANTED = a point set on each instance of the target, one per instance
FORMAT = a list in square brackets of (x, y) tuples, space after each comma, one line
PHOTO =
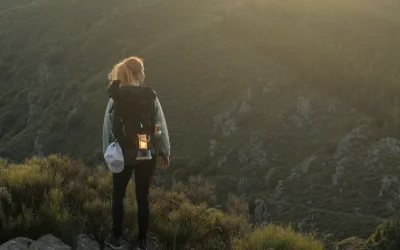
[(291, 104)]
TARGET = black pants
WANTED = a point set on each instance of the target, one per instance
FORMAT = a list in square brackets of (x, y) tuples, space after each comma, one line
[(143, 174)]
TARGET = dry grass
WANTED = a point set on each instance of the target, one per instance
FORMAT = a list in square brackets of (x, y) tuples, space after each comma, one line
[(61, 196)]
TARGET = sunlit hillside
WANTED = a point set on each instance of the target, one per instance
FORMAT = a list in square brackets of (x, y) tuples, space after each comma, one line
[(291, 103)]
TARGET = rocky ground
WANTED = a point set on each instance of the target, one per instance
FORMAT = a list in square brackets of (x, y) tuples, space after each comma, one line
[(313, 161), (50, 242)]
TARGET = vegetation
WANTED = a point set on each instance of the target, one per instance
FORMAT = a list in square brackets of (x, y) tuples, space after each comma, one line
[(344, 48), (387, 236), (61, 196), (352, 243), (276, 237), (202, 56)]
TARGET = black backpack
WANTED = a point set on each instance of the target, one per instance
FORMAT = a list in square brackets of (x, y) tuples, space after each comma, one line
[(134, 113)]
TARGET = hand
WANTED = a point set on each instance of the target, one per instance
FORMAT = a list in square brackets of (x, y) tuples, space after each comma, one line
[(165, 162)]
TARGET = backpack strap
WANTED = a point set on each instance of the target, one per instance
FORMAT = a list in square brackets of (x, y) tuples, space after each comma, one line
[(153, 95), (113, 90)]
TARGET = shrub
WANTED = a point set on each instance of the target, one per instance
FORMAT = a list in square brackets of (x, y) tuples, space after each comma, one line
[(47, 196), (352, 243), (237, 206), (386, 236), (198, 190), (3, 163), (61, 196), (279, 238)]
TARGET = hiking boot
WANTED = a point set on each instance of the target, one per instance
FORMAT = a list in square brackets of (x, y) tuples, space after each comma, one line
[(114, 243), (142, 244)]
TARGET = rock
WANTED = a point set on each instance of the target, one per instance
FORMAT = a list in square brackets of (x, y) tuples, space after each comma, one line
[(244, 108), (339, 171), (253, 154), (351, 141), (390, 189), (84, 242), (38, 143), (387, 182), (304, 108), (153, 244), (243, 160), (326, 237), (249, 93), (225, 123), (272, 175), (390, 207), (268, 87), (349, 147), (44, 73), (260, 210), (35, 106), (279, 190), (222, 161), (229, 127), (383, 148), (125, 246), (20, 243), (213, 144), (243, 185), (302, 169), (48, 242)]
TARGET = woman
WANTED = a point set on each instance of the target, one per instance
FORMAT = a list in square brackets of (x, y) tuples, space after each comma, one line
[(130, 71)]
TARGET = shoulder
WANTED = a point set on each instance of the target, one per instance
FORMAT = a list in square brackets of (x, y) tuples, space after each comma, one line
[(151, 92)]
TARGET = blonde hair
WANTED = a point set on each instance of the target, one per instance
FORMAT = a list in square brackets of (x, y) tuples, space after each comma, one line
[(127, 71)]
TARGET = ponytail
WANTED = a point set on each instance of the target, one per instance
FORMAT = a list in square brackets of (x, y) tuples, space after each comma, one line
[(126, 71)]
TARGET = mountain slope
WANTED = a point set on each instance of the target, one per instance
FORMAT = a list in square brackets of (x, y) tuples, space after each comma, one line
[(291, 104)]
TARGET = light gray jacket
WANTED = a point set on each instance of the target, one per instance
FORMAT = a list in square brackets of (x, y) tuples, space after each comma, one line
[(165, 147)]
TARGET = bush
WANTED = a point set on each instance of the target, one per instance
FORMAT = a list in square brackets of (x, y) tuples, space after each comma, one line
[(277, 238), (3, 163), (352, 243), (61, 196), (47, 197), (386, 236), (238, 206), (198, 190)]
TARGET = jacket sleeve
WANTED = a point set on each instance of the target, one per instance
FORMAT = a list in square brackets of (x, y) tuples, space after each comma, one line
[(165, 146), (107, 125)]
